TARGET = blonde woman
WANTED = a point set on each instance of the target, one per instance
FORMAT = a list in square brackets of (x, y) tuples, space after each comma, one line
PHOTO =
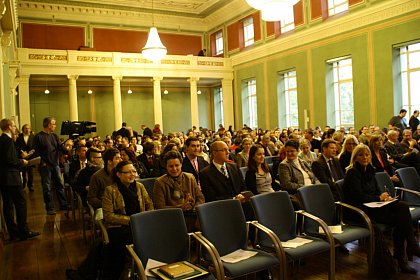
[(350, 142), (243, 156), (305, 152), (360, 187)]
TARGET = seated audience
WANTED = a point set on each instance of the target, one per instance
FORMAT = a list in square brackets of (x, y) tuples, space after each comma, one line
[(150, 160), (122, 199), (243, 156), (398, 152), (129, 155), (102, 178), (306, 153), (193, 163), (258, 177), (350, 142), (360, 187), (293, 172)]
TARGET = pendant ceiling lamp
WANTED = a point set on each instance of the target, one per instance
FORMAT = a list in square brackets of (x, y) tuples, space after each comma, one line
[(273, 10), (154, 50)]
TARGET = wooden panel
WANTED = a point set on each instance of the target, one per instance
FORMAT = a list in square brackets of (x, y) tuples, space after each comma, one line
[(316, 9), (269, 25), (181, 44), (273, 28), (355, 2), (233, 31), (213, 44), (257, 26), (113, 40), (58, 37), (298, 13)]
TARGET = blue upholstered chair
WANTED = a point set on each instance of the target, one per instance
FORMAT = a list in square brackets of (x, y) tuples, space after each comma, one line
[(275, 211), (161, 235), (225, 229), (148, 183), (319, 201)]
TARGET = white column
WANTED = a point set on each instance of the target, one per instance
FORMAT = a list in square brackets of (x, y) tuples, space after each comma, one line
[(194, 102), (157, 101), (73, 110), (2, 93), (24, 104), (228, 109), (117, 102), (13, 83)]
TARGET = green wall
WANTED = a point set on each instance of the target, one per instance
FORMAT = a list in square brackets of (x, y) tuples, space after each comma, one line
[(355, 45)]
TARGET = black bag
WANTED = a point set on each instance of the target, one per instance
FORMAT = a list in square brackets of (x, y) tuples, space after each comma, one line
[(384, 265)]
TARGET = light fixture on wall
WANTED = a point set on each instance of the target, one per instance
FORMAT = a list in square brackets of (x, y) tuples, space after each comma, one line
[(46, 91), (154, 50), (129, 91), (89, 90), (165, 91), (273, 10), (199, 92)]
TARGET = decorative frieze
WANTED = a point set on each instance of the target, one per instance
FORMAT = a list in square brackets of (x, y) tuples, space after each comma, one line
[(94, 58), (47, 57)]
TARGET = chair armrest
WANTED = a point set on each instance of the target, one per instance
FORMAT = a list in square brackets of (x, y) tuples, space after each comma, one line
[(280, 254), (214, 254), (104, 232), (408, 190), (323, 225), (140, 268)]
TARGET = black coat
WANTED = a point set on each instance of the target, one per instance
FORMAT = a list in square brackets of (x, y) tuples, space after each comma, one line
[(10, 163)]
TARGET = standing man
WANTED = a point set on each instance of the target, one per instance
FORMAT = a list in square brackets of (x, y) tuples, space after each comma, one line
[(414, 121), (11, 184), (193, 163), (24, 143), (47, 145), (399, 121), (327, 168)]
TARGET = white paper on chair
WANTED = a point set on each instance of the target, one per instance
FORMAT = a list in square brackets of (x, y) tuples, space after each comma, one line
[(99, 215), (377, 204), (238, 255), (333, 229), (296, 242), (151, 263)]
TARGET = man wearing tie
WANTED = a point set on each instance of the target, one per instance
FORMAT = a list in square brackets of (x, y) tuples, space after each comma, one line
[(24, 144), (193, 163), (221, 179), (327, 168)]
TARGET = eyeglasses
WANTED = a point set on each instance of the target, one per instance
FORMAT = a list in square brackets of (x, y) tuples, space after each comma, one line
[(130, 171)]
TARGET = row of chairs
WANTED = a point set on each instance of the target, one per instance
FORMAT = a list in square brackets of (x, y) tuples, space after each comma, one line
[(224, 229)]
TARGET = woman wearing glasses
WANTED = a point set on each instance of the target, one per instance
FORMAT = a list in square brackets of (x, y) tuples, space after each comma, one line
[(122, 199)]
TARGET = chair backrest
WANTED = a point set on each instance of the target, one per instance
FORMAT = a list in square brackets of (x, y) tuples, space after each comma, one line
[(339, 185), (275, 211), (160, 235), (148, 183), (223, 223), (319, 201), (269, 159), (243, 171), (410, 180), (385, 183)]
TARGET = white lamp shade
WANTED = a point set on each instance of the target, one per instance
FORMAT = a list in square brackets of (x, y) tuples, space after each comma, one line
[(154, 50), (46, 91)]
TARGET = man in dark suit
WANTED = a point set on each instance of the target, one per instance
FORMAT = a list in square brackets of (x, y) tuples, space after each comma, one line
[(11, 184), (150, 159), (123, 131), (327, 168), (221, 179), (193, 163), (24, 143)]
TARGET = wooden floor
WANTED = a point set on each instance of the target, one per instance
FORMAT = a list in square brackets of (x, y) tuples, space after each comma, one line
[(61, 246)]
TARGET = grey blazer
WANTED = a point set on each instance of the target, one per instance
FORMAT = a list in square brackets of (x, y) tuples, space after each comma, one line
[(290, 176)]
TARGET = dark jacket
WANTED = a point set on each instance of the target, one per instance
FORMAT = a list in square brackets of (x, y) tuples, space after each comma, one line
[(188, 167), (10, 163), (322, 171), (215, 186)]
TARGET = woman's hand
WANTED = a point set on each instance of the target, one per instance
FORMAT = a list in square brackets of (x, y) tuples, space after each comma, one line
[(395, 178), (385, 196), (188, 202)]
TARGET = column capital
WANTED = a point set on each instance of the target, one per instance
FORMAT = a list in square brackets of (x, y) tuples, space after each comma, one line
[(72, 77), (157, 78), (24, 79), (117, 77), (193, 79)]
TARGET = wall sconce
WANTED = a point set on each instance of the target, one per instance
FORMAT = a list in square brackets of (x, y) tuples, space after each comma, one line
[(46, 91), (165, 91), (198, 92), (89, 90), (129, 89)]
